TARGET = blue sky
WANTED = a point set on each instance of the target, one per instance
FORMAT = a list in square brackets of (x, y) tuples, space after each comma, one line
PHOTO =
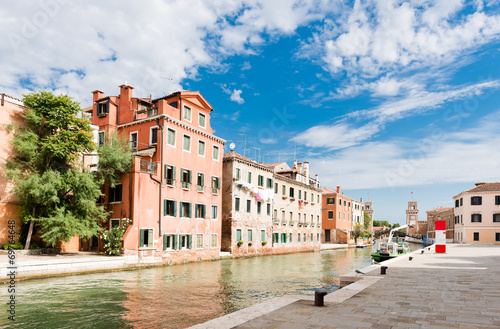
[(379, 96)]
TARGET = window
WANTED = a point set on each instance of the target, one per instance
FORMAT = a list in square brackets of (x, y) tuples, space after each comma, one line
[(305, 196), (461, 201), (305, 237), (300, 194), (291, 192), (476, 200), (169, 208), (237, 204), (114, 222), (276, 238), (317, 237), (476, 236), (259, 207), (312, 237), (238, 235), (115, 193), (497, 236), (262, 235), (102, 108), (249, 235), (214, 212), (348, 205), (186, 143), (171, 137), (496, 218), (283, 190), (268, 209), (238, 173), (185, 209), (249, 204), (330, 201), (201, 120), (215, 185), (260, 180), (187, 113), (169, 174), (153, 135), (249, 178), (290, 237), (318, 198), (497, 200), (200, 182), (330, 215), (133, 140), (169, 242), (475, 218), (213, 242), (215, 153), (457, 203), (185, 241), (146, 238), (344, 203), (199, 241), (298, 237), (201, 148), (186, 178), (101, 137), (275, 188), (199, 210), (283, 237), (269, 183), (340, 202)]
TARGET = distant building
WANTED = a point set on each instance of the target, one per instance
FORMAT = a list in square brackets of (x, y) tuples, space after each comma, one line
[(357, 212), (337, 216), (441, 213), (477, 214), (268, 208), (417, 226), (369, 212)]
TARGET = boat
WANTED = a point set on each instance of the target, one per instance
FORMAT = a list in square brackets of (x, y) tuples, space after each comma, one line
[(361, 246), (390, 247)]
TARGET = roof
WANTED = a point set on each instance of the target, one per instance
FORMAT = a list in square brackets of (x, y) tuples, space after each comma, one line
[(485, 187), (184, 94), (296, 182), (272, 165), (327, 191), (439, 209), (233, 154)]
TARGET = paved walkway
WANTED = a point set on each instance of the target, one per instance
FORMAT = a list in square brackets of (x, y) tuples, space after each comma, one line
[(459, 289)]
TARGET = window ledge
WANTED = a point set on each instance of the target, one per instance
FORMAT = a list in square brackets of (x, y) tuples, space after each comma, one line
[(115, 202), (147, 248)]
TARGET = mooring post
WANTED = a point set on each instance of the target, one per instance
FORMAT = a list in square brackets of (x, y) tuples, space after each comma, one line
[(319, 297), (383, 269)]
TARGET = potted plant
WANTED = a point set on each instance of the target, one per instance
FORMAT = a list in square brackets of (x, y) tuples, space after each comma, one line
[(249, 244), (292, 199), (264, 243), (240, 243), (284, 197)]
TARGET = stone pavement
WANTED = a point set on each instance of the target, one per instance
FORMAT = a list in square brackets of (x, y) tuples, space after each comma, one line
[(459, 289)]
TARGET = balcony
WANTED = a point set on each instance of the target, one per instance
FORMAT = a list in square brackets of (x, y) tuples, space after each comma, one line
[(215, 191), (276, 221), (148, 167), (185, 185), (199, 188), (170, 181)]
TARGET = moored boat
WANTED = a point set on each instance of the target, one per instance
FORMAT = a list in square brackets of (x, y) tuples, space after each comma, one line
[(390, 247)]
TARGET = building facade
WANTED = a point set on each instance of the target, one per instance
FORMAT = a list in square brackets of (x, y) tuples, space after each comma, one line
[(477, 214), (441, 213), (337, 216), (416, 226), (172, 196)]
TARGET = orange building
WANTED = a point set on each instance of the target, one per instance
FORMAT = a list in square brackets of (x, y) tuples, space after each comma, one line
[(172, 195), (337, 216), (441, 213)]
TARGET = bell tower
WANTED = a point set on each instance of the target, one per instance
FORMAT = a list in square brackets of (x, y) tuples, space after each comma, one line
[(412, 216)]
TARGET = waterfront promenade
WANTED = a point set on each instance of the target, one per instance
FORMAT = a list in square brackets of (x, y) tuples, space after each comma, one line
[(459, 289)]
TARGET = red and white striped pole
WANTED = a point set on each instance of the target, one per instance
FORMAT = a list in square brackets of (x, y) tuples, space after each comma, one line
[(440, 236)]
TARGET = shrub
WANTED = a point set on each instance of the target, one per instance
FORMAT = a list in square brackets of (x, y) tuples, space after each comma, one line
[(113, 238), (16, 246)]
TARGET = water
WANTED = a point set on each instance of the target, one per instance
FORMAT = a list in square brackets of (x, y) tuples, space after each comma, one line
[(176, 296)]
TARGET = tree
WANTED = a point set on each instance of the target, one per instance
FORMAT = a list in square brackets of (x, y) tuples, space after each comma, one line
[(357, 231), (114, 159), (396, 225), (54, 191), (381, 223), (366, 220)]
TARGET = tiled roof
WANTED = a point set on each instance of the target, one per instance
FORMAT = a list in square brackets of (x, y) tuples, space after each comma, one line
[(327, 190), (486, 187), (440, 209), (233, 154)]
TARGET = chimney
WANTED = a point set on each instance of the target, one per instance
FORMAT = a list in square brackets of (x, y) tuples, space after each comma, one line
[(295, 164), (361, 200), (299, 168), (125, 93), (338, 189), (97, 94), (480, 183), (306, 169)]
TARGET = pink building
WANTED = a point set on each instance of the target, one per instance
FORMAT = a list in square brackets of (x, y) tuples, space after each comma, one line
[(172, 195), (477, 214), (337, 216)]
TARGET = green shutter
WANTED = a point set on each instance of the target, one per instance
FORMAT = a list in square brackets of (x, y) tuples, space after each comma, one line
[(175, 242), (173, 172), (189, 241), (164, 207), (285, 238), (218, 182), (202, 179), (175, 209), (203, 211), (181, 213), (150, 238), (141, 243), (164, 242), (189, 177), (165, 171), (238, 235), (189, 210), (262, 235)]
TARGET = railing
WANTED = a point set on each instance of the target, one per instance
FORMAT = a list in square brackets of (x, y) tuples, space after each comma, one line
[(215, 191), (185, 185), (276, 221), (170, 181), (199, 188), (148, 167), (152, 112)]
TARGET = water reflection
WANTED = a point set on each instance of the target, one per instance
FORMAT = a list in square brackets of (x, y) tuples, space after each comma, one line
[(176, 296)]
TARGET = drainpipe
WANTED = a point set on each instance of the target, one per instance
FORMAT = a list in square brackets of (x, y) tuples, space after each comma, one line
[(160, 233)]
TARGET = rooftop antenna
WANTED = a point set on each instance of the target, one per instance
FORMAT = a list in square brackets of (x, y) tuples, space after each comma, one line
[(294, 150), (244, 145), (368, 195), (412, 195), (257, 158)]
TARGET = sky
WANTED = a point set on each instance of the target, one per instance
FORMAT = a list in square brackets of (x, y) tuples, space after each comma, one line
[(391, 100)]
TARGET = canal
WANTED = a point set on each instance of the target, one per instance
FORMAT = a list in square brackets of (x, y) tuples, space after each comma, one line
[(175, 296)]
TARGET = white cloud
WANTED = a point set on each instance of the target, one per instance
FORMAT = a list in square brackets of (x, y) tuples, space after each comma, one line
[(246, 66), (74, 47), (443, 157), (236, 96)]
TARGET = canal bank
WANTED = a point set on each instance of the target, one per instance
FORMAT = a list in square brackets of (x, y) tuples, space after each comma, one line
[(458, 289), (42, 266)]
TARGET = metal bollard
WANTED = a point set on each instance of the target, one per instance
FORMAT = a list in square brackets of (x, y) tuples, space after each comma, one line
[(410, 258), (319, 296), (383, 269)]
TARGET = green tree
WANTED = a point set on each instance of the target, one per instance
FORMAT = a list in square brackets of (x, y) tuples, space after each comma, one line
[(367, 220), (53, 190), (396, 225), (381, 223), (114, 159), (357, 231)]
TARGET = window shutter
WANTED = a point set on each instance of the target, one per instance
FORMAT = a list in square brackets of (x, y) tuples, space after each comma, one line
[(189, 241), (202, 179), (165, 171), (141, 243), (164, 242), (203, 211), (175, 242), (218, 182), (189, 210), (196, 212), (106, 106), (181, 213), (173, 172), (182, 174), (189, 176), (150, 238), (164, 207)]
